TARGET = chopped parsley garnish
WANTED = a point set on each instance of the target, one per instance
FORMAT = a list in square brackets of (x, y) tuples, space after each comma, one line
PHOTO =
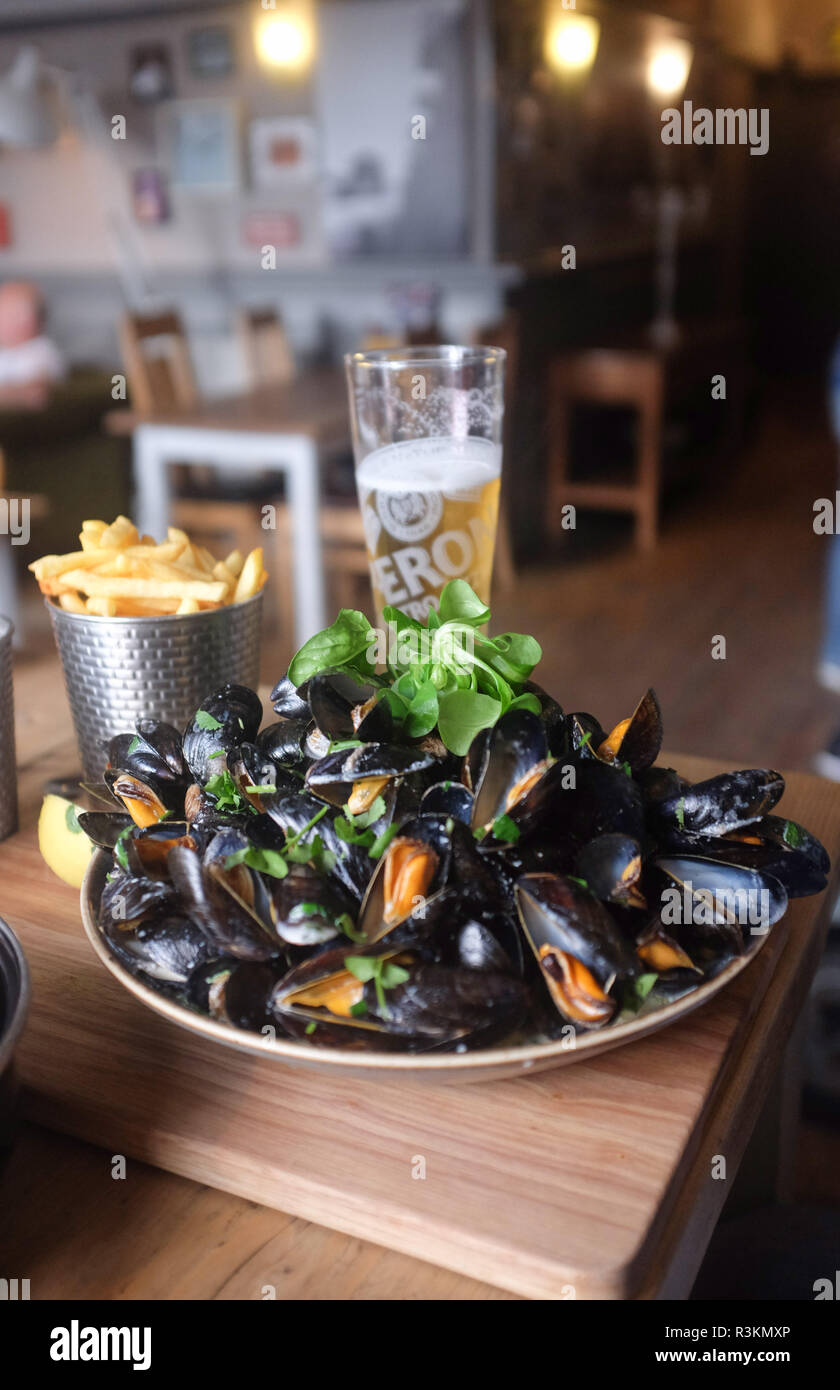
[(792, 834), (385, 975), (206, 721), (504, 828), (681, 812)]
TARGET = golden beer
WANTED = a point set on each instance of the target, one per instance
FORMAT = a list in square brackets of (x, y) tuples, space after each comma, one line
[(430, 507)]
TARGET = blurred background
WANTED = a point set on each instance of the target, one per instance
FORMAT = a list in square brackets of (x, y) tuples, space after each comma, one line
[(218, 201)]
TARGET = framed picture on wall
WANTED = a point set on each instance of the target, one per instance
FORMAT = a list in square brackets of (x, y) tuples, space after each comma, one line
[(210, 51), (201, 142), (283, 151), (282, 230)]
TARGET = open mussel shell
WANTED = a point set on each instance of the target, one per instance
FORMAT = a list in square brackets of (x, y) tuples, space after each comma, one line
[(167, 743), (258, 776), (552, 719), (167, 950), (155, 750), (722, 803), (104, 828), (306, 909), (717, 899), (579, 950), (667, 957), (234, 715), (636, 741), (147, 851), (356, 776), (236, 992), (773, 845), (515, 759), (146, 800), (585, 733), (411, 872), (343, 708), (221, 904), (611, 866), (434, 1006)]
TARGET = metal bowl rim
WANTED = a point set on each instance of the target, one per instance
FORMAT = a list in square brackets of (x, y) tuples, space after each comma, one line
[(99, 620), (11, 1033)]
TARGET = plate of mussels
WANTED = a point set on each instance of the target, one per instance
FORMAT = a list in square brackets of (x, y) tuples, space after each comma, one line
[(431, 868)]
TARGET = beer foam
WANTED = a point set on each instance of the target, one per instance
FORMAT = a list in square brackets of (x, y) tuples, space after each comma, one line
[(458, 468)]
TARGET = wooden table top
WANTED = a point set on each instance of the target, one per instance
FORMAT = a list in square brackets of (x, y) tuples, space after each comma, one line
[(156, 1235), (314, 403)]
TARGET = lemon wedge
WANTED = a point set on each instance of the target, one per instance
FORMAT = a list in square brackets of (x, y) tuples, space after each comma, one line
[(64, 846)]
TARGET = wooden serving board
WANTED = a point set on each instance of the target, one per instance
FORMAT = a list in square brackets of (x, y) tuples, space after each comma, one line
[(581, 1182)]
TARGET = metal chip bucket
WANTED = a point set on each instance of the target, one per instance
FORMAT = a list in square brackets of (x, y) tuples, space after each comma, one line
[(8, 765), (119, 670)]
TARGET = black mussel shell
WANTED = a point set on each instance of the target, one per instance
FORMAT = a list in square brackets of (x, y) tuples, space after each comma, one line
[(552, 719), (307, 909), (447, 799), (585, 734), (167, 950), (723, 803), (610, 866), (138, 755), (145, 799), (289, 702), (515, 759), (283, 742), (167, 743), (241, 994), (496, 948), (228, 923), (104, 828), (343, 708), (147, 851), (557, 912), (661, 784), (128, 900), (237, 712), (637, 741), (422, 877), (773, 845), (716, 899), (446, 1005), (335, 776), (597, 799)]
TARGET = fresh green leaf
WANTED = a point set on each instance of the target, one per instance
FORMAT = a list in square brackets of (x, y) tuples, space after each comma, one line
[(506, 829), (392, 975), (345, 924), (119, 848), (581, 882), (265, 861), (792, 834), (219, 753), (363, 967), (422, 713), (381, 843), (636, 991), (363, 819), (343, 644), (463, 714), (628, 771), (71, 819), (134, 744), (681, 813), (206, 721), (310, 1028), (359, 1010), (460, 603)]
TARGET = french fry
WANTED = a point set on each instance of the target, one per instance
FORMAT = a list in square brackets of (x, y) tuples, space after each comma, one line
[(103, 586), (120, 533), (118, 573), (102, 607), (249, 582), (71, 603)]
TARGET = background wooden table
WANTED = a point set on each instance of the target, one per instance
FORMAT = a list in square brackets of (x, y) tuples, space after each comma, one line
[(72, 1230)]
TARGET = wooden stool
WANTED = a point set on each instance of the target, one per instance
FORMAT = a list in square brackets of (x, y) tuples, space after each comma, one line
[(607, 378)]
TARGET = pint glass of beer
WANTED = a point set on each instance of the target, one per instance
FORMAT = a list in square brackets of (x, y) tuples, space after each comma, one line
[(427, 436)]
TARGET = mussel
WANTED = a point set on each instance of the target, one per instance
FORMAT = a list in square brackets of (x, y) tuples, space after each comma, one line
[(227, 718), (356, 777), (579, 950)]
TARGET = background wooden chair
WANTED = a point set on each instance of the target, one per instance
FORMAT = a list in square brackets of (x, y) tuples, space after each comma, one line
[(610, 378), (157, 361), (266, 349)]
